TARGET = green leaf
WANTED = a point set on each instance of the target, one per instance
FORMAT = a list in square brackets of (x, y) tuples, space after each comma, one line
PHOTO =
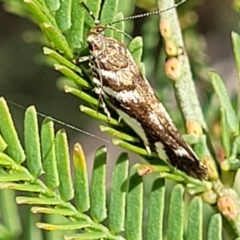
[(225, 134), (32, 142), (94, 6), (38, 200), (118, 194), (118, 134), (5, 233), (176, 214), (5, 160), (63, 166), (86, 236), (156, 210), (56, 38), (48, 154), (215, 227), (80, 179), (236, 50), (15, 177), (9, 213), (60, 59), (40, 12), (75, 33), (72, 75), (63, 15), (95, 114), (195, 221), (21, 187), (3, 144), (130, 147), (136, 49), (60, 211), (236, 147), (121, 26), (66, 226), (134, 210), (225, 103), (9, 134), (98, 188), (82, 95), (52, 5), (55, 220), (109, 10)]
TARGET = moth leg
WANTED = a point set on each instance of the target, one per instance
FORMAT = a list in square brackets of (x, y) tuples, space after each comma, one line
[(84, 59), (98, 86), (99, 91), (97, 81), (79, 59), (104, 107)]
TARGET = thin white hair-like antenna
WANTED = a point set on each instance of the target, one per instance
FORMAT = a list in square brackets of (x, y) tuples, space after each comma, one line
[(149, 13), (62, 123)]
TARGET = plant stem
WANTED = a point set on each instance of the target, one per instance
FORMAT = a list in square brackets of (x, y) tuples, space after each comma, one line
[(184, 86)]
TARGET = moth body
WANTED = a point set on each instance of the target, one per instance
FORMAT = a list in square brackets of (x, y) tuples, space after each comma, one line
[(120, 80)]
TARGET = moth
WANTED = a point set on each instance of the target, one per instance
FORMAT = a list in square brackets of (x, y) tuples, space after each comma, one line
[(118, 79)]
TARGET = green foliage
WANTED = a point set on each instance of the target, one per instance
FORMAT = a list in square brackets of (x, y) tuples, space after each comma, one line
[(53, 194), (73, 207)]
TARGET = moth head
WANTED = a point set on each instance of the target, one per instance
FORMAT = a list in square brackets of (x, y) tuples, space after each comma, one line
[(95, 39)]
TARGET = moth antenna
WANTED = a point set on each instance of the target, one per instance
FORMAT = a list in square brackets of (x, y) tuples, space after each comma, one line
[(149, 13), (118, 30), (62, 123)]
